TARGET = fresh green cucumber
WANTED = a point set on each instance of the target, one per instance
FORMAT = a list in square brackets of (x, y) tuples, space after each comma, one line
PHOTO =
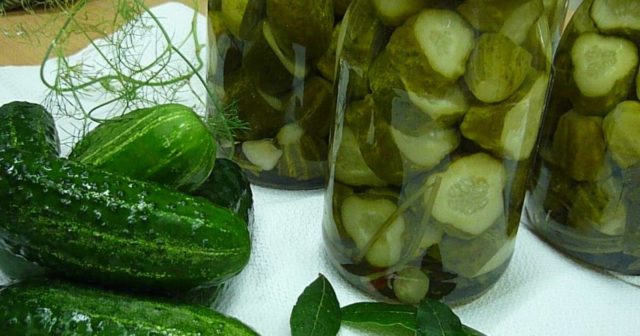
[(228, 187), (168, 144), (42, 138), (100, 227), (63, 309)]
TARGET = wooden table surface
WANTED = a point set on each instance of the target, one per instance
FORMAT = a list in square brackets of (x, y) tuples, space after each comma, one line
[(18, 49)]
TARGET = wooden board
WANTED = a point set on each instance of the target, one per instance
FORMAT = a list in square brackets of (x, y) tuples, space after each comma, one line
[(17, 49)]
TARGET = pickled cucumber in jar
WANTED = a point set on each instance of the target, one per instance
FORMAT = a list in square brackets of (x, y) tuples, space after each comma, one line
[(583, 193), (273, 64), (438, 108)]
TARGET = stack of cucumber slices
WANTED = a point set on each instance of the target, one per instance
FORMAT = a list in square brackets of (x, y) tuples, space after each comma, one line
[(434, 149), (591, 143)]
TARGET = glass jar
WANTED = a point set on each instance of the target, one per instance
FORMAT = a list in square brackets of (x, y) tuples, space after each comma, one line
[(438, 110), (272, 64), (584, 195)]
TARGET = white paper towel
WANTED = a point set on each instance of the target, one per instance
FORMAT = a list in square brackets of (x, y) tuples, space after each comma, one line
[(543, 293)]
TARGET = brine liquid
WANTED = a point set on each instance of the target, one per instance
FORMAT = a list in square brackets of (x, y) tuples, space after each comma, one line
[(425, 189)]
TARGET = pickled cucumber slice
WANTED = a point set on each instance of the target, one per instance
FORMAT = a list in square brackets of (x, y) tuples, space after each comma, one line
[(299, 69), (599, 207), (350, 167), (392, 99), (485, 16), (470, 197), (579, 147), (520, 21), (264, 67), (394, 13), (241, 16), (410, 285), (303, 156), (604, 67), (302, 23), (262, 153), (314, 110), (477, 256), (340, 6), (540, 43), (361, 38), (326, 64), (622, 133), (617, 16), (264, 121), (446, 107), (428, 149), (362, 217), (431, 49), (376, 143), (496, 69), (509, 129)]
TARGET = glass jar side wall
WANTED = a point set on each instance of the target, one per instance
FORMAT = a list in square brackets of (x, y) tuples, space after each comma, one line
[(432, 147), (585, 188)]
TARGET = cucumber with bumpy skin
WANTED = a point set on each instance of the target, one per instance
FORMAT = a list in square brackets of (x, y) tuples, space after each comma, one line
[(168, 144), (63, 309), (43, 138), (470, 197), (95, 226), (228, 187), (603, 72)]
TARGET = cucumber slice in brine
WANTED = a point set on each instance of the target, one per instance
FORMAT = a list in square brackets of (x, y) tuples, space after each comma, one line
[(604, 67), (496, 69), (579, 147), (431, 49), (470, 197), (362, 217), (393, 13), (509, 129), (241, 16), (446, 107), (429, 148), (350, 166), (262, 153), (600, 207), (622, 133), (410, 285), (617, 16), (520, 21)]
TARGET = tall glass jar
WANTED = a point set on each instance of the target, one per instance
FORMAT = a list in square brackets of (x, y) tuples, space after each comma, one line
[(272, 64), (584, 195), (438, 109)]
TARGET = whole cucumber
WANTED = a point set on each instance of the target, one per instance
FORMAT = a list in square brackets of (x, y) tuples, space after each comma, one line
[(168, 144), (99, 227), (63, 309)]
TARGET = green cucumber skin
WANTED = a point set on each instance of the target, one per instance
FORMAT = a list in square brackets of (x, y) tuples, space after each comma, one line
[(228, 187), (168, 144), (94, 226), (42, 136), (63, 309)]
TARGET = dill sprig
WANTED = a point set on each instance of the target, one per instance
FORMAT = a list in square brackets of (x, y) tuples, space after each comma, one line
[(124, 74)]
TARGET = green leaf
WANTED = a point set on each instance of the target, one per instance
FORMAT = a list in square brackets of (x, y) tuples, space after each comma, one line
[(471, 332), (437, 319), (377, 318), (317, 312)]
